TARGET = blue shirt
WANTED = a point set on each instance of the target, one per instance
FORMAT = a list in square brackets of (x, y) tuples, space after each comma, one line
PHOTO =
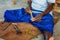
[(40, 5)]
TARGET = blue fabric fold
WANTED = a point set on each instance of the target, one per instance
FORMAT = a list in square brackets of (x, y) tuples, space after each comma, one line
[(19, 15)]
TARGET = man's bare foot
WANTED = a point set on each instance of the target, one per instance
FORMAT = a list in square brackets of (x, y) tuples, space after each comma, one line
[(52, 38)]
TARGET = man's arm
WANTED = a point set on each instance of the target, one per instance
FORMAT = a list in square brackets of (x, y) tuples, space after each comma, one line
[(29, 3), (49, 8), (28, 9)]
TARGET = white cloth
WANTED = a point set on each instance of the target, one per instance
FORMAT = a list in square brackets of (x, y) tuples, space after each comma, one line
[(51, 1), (40, 5)]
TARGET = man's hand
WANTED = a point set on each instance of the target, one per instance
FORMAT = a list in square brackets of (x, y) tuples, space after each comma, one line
[(37, 18), (28, 10)]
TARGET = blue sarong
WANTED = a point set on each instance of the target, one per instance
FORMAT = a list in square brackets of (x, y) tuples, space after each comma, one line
[(19, 15)]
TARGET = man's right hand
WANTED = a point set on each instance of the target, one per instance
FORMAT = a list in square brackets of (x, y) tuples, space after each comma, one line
[(28, 10)]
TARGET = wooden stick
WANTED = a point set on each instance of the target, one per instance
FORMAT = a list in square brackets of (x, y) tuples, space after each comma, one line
[(31, 14)]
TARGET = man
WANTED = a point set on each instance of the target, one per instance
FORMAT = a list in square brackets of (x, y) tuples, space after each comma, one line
[(42, 8), (42, 16)]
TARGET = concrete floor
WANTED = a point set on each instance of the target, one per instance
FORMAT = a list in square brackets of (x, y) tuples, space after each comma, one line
[(57, 31), (8, 4)]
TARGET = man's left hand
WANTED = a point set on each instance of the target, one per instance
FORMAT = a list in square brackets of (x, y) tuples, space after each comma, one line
[(37, 18)]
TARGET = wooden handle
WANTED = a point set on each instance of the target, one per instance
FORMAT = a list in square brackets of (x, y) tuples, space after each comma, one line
[(31, 14)]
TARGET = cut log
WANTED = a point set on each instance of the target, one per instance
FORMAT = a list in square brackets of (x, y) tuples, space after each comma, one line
[(28, 32)]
